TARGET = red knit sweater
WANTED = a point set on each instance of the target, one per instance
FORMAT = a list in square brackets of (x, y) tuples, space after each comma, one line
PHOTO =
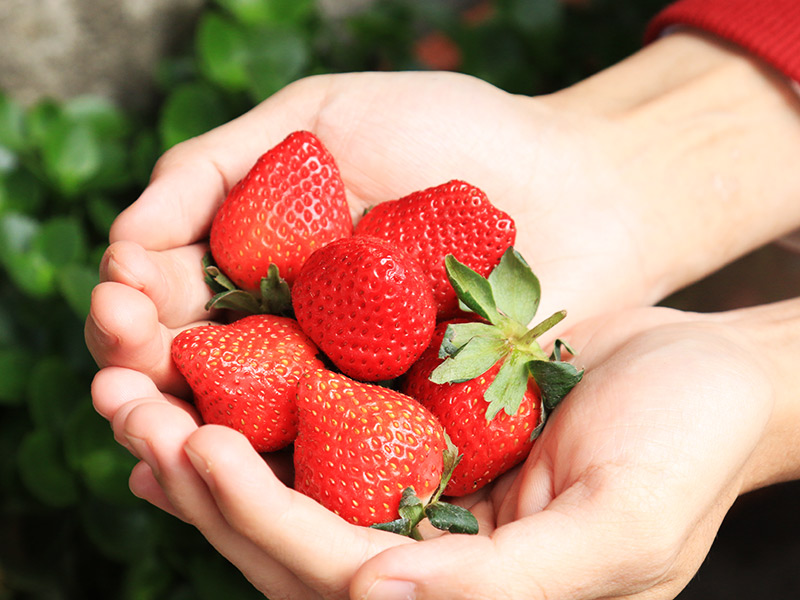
[(770, 29)]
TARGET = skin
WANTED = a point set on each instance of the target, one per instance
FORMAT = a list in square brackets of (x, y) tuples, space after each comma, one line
[(624, 188)]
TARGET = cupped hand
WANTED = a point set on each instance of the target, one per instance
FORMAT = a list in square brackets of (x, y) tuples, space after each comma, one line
[(621, 497), (624, 491)]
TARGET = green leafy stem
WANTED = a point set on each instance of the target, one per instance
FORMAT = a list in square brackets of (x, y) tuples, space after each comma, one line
[(506, 303), (442, 515)]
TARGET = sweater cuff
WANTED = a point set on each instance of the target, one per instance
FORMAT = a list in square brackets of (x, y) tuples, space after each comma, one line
[(769, 29)]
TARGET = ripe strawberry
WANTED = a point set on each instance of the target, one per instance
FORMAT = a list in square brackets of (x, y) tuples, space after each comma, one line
[(244, 375), (489, 448), (290, 203), (453, 218), (484, 379), (367, 306), (359, 446)]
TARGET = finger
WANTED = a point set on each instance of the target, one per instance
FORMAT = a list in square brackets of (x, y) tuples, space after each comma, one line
[(144, 485), (191, 179), (122, 330), (113, 387), (172, 279), (159, 432), (311, 541)]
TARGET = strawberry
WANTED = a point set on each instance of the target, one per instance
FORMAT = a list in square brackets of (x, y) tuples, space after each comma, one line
[(369, 454), (367, 306), (453, 218), (244, 375), (488, 380), (291, 202), (489, 448)]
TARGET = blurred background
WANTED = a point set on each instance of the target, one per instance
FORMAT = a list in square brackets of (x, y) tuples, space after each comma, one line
[(91, 93)]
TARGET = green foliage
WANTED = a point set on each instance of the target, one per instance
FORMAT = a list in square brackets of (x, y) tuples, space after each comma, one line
[(69, 527)]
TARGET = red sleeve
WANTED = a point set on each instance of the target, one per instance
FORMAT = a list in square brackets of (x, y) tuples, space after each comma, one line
[(769, 29)]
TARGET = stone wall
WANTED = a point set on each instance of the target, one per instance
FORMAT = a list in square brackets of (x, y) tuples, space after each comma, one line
[(63, 48)]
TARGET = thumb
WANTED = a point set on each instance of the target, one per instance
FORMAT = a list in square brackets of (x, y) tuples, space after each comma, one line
[(571, 550)]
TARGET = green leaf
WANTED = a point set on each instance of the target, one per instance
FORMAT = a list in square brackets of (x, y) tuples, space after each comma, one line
[(273, 12), (28, 267), (105, 119), (72, 155), (450, 460), (188, 111), (15, 368), (12, 124), (61, 241), (557, 346), (472, 289), (222, 51), (277, 57), (238, 300), (399, 526), (509, 386), (475, 358), (411, 507), (452, 518), (276, 297), (411, 512), (21, 192), (555, 380), (456, 335), (42, 470), (42, 118), (515, 288)]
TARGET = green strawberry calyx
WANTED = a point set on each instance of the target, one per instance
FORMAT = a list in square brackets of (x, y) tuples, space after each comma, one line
[(273, 296), (507, 302), (442, 515)]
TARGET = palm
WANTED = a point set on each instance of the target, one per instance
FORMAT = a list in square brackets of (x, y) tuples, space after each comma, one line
[(407, 132)]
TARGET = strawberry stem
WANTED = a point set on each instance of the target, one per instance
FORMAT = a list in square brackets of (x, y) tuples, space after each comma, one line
[(545, 325)]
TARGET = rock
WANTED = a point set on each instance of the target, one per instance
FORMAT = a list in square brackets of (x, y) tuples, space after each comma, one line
[(64, 48)]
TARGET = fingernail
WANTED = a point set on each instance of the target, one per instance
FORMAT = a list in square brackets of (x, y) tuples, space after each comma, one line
[(198, 462), (391, 589), (144, 451), (102, 336), (119, 273)]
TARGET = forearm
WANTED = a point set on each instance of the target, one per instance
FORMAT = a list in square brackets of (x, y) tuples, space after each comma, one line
[(706, 139)]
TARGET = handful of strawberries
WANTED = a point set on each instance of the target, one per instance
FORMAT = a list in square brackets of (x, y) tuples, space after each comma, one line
[(394, 355)]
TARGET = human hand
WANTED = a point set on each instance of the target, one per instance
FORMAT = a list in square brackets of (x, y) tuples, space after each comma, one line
[(622, 187), (621, 496)]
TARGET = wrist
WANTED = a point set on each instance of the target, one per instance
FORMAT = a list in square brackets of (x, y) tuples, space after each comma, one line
[(773, 333), (704, 140)]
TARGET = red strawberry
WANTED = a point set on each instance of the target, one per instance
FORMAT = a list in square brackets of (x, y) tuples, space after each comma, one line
[(489, 381), (367, 306), (359, 446), (453, 218), (489, 448), (290, 203), (244, 375)]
